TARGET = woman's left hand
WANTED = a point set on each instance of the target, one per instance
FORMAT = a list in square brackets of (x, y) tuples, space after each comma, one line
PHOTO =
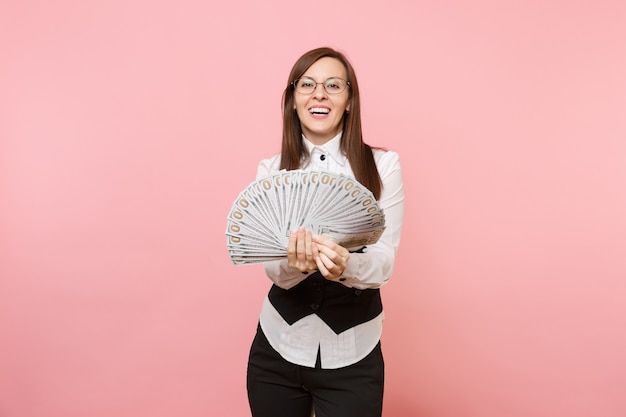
[(332, 258)]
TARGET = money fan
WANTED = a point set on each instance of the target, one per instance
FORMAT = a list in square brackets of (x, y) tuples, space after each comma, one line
[(329, 204)]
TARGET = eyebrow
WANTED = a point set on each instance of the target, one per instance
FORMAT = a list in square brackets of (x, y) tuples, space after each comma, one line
[(329, 78)]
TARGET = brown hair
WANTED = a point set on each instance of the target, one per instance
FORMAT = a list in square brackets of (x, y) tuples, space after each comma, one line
[(359, 154)]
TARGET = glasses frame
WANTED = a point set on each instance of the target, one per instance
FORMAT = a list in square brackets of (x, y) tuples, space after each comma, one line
[(323, 83)]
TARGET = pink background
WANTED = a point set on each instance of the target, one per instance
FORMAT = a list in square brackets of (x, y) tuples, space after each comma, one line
[(127, 128)]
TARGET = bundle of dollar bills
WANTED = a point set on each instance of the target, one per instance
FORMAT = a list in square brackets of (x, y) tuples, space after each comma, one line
[(328, 204)]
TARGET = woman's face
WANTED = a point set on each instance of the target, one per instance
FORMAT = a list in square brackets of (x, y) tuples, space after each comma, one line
[(321, 114)]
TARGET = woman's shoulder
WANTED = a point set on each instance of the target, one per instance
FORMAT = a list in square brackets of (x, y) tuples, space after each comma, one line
[(268, 165), (274, 159), (384, 156)]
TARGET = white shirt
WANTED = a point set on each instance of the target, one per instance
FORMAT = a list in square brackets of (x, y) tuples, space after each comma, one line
[(299, 343)]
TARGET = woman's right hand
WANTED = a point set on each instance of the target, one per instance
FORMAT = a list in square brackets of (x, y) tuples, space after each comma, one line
[(301, 252)]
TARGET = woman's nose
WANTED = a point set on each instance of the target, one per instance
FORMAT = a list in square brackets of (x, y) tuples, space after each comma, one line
[(319, 91)]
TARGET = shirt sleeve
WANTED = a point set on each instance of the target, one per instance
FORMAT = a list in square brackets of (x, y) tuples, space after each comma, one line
[(373, 267)]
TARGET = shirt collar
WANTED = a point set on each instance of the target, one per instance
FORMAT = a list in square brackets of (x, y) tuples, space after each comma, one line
[(330, 148)]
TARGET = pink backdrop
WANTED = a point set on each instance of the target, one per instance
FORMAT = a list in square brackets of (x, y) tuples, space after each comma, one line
[(127, 128)]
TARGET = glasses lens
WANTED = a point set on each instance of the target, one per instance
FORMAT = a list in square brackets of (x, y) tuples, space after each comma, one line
[(334, 85), (305, 85)]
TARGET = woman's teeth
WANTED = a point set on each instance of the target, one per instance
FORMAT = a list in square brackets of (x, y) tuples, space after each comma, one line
[(319, 110)]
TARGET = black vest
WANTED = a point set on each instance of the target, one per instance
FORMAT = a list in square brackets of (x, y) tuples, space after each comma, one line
[(340, 307)]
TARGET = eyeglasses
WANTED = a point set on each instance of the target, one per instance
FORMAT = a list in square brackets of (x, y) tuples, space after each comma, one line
[(331, 86)]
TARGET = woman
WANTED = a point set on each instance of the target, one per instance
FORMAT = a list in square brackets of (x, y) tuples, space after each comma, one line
[(318, 342)]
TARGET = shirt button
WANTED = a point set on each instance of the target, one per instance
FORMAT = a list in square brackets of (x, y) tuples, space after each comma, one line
[(323, 157), (315, 306), (357, 292)]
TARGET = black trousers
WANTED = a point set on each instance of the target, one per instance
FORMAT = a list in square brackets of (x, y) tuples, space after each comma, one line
[(278, 388)]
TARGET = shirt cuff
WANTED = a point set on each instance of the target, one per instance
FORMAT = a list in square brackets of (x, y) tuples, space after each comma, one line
[(350, 273)]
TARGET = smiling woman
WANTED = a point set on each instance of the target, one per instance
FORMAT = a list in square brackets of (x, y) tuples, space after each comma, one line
[(318, 342)]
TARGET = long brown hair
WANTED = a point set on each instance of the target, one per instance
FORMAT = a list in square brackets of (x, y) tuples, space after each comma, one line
[(359, 154)]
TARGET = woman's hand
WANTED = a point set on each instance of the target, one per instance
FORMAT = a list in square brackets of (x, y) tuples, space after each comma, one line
[(331, 259), (301, 252)]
